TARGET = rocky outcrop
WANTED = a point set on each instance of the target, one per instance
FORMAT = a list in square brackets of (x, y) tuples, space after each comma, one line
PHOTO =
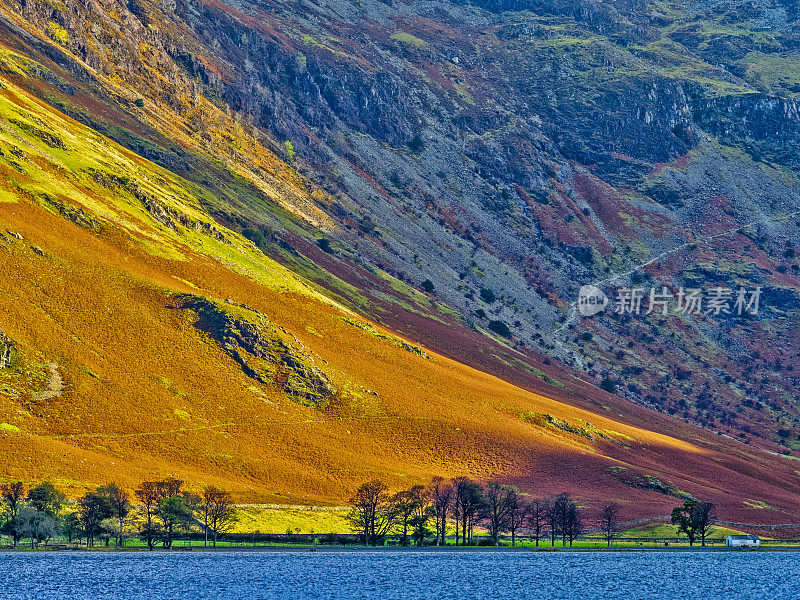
[(648, 482), (71, 212), (262, 350), (767, 127), (55, 385), (400, 343), (164, 214)]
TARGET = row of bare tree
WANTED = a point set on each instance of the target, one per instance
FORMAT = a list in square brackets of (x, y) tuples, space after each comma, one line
[(499, 508), (165, 510)]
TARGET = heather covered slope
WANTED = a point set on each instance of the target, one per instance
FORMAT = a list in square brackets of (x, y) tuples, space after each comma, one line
[(150, 341)]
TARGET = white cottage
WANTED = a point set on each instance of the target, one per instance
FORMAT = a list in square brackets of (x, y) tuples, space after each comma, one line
[(743, 541)]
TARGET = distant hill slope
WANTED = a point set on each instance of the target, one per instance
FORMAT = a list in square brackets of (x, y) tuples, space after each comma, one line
[(185, 293)]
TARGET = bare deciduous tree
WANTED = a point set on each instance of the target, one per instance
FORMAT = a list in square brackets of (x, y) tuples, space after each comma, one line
[(517, 512), (440, 493), (169, 487), (565, 519), (554, 520), (469, 503), (495, 499), (149, 494), (373, 513), (538, 509), (218, 511), (574, 523), (407, 505), (609, 521)]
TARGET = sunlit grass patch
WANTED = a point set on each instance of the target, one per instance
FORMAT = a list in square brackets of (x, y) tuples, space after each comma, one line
[(303, 520)]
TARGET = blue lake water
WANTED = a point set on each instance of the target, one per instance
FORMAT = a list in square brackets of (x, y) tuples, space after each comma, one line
[(395, 575)]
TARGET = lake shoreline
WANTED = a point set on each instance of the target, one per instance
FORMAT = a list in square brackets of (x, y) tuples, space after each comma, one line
[(401, 550)]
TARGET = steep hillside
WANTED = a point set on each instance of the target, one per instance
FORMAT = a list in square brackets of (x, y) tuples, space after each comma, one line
[(286, 248), (503, 154), (145, 340)]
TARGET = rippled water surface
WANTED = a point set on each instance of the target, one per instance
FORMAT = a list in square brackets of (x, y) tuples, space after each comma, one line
[(390, 575)]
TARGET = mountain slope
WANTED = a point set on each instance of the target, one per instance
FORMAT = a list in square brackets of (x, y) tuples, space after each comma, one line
[(151, 336), (523, 148)]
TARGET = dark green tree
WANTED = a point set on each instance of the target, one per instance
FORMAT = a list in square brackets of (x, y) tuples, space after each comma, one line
[(695, 518), (72, 526), (119, 504), (93, 508), (46, 499), (419, 524), (12, 494), (176, 514)]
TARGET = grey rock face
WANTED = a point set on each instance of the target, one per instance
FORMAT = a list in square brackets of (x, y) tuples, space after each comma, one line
[(261, 350)]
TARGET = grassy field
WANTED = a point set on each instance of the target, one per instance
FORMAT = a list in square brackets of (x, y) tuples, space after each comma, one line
[(302, 520)]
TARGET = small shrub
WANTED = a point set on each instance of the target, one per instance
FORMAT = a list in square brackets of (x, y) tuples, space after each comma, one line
[(416, 144), (139, 102), (325, 245), (367, 225), (488, 296), (57, 33), (395, 180), (500, 328), (428, 286), (256, 236), (608, 385)]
